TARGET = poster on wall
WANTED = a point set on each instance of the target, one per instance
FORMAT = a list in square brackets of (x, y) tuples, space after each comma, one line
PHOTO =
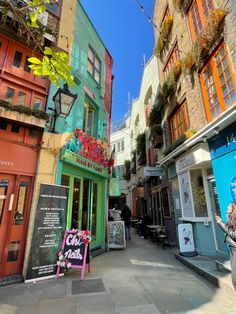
[(186, 242), (116, 235), (49, 227), (74, 251), (186, 197)]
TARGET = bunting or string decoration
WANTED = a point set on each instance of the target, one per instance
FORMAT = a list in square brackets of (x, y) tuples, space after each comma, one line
[(151, 21)]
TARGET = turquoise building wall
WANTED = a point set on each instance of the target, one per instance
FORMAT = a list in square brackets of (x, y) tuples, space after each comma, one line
[(84, 35)]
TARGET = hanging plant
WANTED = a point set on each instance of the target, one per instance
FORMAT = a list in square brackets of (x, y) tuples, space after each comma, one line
[(156, 130), (181, 5), (127, 174), (177, 69), (188, 62), (25, 110), (155, 116), (189, 133), (164, 34)]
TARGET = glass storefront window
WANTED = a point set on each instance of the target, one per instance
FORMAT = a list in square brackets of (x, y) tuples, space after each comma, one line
[(3, 195), (198, 193), (21, 203), (94, 211), (75, 205), (65, 180), (13, 251)]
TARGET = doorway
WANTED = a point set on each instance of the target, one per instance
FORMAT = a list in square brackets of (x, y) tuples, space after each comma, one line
[(14, 216), (221, 246), (84, 200)]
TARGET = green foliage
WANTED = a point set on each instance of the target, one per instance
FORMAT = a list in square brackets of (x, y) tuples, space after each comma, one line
[(133, 162), (25, 110), (37, 7), (127, 170), (141, 143), (155, 116), (156, 130), (54, 65), (174, 145)]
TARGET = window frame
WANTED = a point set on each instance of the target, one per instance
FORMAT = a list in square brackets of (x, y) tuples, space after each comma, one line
[(172, 59), (58, 14), (87, 106), (93, 64), (175, 116), (202, 17), (217, 83)]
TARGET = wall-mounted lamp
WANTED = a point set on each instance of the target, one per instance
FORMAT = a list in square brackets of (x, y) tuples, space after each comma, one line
[(216, 130), (204, 138), (63, 102)]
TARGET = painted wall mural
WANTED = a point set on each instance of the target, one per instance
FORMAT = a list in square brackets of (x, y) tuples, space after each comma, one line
[(90, 148)]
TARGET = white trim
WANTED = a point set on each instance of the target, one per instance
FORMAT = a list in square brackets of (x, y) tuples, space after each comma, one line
[(225, 119), (34, 280), (195, 219)]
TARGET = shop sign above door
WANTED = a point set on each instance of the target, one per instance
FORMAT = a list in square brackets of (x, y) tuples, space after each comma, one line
[(154, 171)]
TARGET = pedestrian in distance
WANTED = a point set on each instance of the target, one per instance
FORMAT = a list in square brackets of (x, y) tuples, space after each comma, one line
[(126, 217), (229, 229)]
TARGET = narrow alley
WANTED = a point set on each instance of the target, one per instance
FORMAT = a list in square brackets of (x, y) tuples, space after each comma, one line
[(141, 279)]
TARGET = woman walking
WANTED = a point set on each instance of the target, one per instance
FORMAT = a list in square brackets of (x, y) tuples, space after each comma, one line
[(230, 236)]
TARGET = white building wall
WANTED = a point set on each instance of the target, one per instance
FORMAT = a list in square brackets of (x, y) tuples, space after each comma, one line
[(122, 155)]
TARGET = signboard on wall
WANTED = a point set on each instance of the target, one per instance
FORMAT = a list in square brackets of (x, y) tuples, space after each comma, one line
[(49, 227), (223, 154), (116, 235), (154, 171), (186, 243), (186, 195)]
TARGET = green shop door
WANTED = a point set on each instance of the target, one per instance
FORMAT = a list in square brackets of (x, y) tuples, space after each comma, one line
[(84, 200)]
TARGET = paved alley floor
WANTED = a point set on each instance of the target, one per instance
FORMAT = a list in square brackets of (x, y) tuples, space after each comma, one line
[(142, 279)]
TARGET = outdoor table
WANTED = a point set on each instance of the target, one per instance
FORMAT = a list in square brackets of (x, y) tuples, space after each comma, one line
[(158, 228)]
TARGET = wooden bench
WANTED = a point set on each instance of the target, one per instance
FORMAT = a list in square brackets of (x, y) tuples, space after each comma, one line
[(223, 264)]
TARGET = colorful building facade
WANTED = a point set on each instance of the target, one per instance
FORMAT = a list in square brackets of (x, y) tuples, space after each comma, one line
[(197, 101), (75, 150), (23, 98)]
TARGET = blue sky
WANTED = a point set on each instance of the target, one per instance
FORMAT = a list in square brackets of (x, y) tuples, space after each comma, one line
[(128, 36)]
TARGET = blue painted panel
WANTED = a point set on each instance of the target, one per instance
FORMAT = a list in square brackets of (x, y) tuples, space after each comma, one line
[(203, 238), (224, 169), (224, 142)]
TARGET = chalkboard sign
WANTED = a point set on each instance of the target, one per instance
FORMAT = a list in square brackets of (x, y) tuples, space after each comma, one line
[(116, 235), (74, 250), (49, 227)]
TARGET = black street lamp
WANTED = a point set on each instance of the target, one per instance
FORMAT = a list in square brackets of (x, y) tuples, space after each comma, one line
[(63, 102)]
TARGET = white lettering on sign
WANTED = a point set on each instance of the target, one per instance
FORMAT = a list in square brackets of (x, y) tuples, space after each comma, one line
[(185, 162), (6, 163), (73, 254), (231, 139), (73, 240)]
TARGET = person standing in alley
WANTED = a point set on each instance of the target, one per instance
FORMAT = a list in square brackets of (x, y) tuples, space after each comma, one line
[(126, 217), (230, 236)]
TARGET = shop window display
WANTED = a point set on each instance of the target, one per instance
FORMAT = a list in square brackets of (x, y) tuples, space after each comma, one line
[(198, 193)]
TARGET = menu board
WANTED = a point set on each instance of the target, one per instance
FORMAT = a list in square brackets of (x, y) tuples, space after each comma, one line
[(49, 227), (116, 235), (74, 250)]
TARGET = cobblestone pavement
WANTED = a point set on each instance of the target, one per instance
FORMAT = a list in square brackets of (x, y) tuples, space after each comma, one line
[(142, 279)]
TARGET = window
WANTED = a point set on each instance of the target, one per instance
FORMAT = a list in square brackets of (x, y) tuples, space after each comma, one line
[(21, 203), (198, 14), (198, 193), (27, 63), (122, 145), (94, 65), (38, 103), (174, 56), (54, 8), (3, 125), (21, 99), (9, 94), (17, 59), (118, 147), (218, 84), (88, 123), (179, 123)]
